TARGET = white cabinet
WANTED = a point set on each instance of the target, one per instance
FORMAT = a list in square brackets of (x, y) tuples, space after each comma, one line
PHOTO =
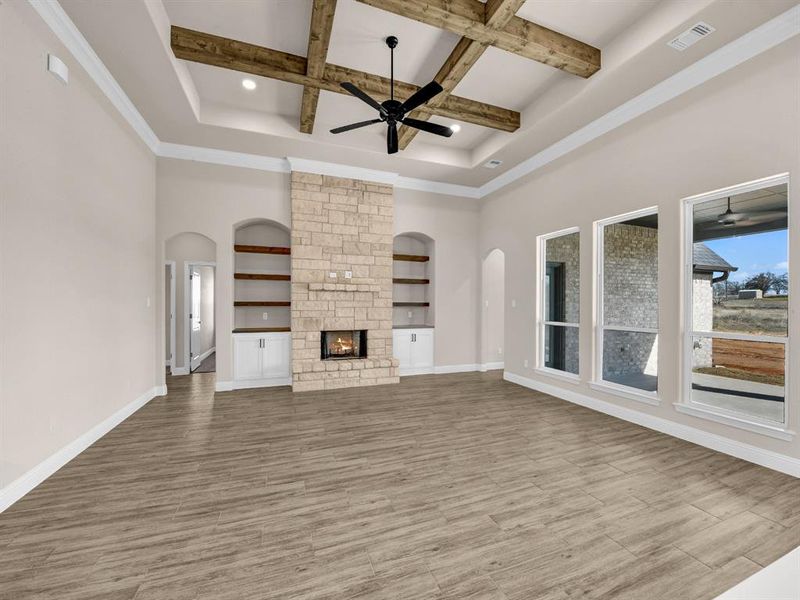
[(414, 349), (262, 359)]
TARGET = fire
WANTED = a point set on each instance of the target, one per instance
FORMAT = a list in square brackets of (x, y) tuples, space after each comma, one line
[(341, 346)]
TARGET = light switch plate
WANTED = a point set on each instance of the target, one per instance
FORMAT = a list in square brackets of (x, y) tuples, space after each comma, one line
[(58, 68), (348, 274), (332, 275)]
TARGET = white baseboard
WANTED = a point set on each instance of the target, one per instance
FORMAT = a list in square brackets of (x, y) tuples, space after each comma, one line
[(765, 458), (24, 484), (455, 368), (491, 366), (777, 581), (205, 355), (180, 371), (259, 383), (160, 390), (223, 386), (420, 371)]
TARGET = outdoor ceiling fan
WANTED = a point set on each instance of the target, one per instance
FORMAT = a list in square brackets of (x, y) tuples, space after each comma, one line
[(393, 111), (730, 218)]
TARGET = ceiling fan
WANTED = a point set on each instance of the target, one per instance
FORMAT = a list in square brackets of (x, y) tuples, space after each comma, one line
[(393, 111), (730, 218)]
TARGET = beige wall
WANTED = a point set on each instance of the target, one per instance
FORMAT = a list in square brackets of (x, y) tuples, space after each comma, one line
[(741, 126), (184, 248), (452, 224), (79, 277), (213, 200)]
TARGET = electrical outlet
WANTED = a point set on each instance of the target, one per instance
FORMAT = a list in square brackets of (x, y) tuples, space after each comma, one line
[(500, 351), (348, 274), (265, 316), (513, 304), (526, 363), (410, 314)]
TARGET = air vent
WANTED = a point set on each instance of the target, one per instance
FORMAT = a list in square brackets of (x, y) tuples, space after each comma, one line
[(691, 36), (493, 164)]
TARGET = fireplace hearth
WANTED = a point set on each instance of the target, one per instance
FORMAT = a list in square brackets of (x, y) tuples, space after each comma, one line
[(339, 345)]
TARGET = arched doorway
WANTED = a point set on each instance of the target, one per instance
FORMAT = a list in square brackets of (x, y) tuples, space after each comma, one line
[(190, 331), (493, 310)]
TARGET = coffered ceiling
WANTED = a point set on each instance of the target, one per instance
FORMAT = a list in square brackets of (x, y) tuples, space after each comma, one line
[(186, 102)]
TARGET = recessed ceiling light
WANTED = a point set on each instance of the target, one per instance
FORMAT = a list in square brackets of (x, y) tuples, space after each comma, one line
[(248, 84), (455, 127)]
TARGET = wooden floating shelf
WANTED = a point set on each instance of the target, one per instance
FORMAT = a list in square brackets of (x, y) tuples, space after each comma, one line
[(262, 249), (412, 257), (261, 329), (411, 281), (411, 303), (261, 303), (262, 276)]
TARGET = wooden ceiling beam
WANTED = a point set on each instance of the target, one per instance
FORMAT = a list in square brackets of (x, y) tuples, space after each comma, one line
[(466, 18), (466, 52), (319, 38), (231, 54)]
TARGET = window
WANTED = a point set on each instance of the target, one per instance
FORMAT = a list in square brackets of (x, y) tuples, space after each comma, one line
[(737, 303), (627, 302), (559, 303)]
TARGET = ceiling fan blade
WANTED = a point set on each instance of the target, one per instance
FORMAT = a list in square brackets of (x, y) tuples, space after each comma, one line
[(352, 126), (420, 97), (364, 97), (391, 138), (762, 217), (763, 214), (429, 127)]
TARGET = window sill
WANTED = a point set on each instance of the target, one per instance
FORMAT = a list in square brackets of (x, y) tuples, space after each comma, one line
[(628, 393), (773, 431), (556, 374)]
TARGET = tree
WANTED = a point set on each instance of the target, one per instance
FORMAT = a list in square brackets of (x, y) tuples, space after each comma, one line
[(763, 281), (781, 284)]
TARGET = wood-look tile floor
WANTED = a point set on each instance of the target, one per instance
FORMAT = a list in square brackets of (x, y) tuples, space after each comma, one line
[(442, 487)]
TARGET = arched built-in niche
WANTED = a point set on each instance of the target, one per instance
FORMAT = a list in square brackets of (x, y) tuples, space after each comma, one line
[(493, 310), (262, 269), (186, 341), (413, 273)]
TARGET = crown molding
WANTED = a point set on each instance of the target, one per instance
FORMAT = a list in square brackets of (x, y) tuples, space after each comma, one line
[(222, 157), (751, 44), (336, 170), (65, 30)]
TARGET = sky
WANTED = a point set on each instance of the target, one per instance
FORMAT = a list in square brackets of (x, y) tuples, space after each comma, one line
[(754, 253)]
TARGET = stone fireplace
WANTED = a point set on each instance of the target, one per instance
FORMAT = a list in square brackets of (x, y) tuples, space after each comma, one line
[(341, 283), (343, 345)]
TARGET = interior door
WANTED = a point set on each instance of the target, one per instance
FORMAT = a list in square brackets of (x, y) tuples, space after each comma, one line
[(195, 317)]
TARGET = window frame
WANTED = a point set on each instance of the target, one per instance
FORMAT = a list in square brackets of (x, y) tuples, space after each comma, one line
[(541, 322), (686, 404), (598, 383)]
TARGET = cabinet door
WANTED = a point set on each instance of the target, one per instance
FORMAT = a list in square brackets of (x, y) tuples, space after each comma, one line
[(276, 356), (246, 358), (401, 346), (422, 349)]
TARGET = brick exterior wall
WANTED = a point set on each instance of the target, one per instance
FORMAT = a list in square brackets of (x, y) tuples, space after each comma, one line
[(703, 316), (630, 298), (565, 249), (341, 225)]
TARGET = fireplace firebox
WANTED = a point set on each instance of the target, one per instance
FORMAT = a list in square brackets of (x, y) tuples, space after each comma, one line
[(337, 345)]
